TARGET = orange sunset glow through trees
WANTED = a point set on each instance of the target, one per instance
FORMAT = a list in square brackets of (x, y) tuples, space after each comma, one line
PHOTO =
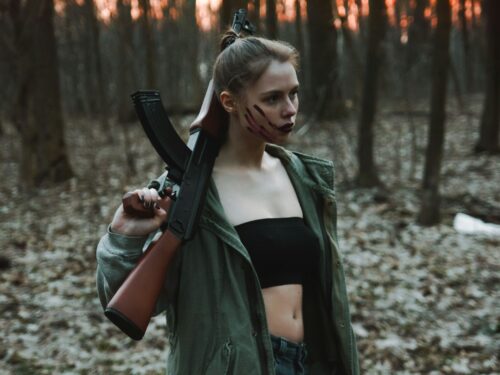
[(207, 10)]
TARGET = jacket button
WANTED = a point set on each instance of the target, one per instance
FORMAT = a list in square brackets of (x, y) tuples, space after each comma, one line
[(338, 263), (254, 333), (342, 324)]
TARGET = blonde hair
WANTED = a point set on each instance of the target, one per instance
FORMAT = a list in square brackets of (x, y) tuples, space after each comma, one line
[(243, 60)]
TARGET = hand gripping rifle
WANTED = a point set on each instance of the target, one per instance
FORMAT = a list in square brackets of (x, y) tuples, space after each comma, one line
[(189, 168)]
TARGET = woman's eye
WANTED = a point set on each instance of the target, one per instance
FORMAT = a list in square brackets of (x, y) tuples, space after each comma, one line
[(293, 94), (273, 99)]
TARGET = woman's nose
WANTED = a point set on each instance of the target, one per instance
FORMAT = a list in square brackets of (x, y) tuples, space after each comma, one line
[(290, 108)]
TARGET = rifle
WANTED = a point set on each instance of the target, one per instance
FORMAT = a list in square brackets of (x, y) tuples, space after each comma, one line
[(189, 168)]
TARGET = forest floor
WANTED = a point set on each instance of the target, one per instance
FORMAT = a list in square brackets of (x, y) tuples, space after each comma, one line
[(423, 300)]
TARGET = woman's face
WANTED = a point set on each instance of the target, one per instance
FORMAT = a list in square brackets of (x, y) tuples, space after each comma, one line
[(268, 108)]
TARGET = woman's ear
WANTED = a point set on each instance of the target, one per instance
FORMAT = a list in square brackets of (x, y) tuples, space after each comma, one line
[(228, 102)]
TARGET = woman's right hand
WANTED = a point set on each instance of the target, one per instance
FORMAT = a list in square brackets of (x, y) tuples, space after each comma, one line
[(131, 225)]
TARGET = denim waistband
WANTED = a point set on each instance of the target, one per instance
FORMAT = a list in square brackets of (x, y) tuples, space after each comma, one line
[(292, 350)]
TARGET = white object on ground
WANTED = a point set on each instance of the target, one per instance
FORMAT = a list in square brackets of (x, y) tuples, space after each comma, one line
[(470, 225)]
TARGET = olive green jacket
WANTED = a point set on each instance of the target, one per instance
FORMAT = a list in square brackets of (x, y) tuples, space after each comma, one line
[(215, 313)]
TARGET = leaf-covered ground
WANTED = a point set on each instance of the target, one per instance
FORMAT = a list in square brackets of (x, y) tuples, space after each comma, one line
[(423, 300)]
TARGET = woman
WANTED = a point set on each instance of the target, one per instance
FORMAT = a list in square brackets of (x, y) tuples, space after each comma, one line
[(260, 288)]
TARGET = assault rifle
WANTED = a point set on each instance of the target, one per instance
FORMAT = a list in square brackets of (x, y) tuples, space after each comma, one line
[(189, 168)]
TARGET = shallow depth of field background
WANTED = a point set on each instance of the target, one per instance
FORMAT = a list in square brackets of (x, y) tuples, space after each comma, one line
[(386, 76)]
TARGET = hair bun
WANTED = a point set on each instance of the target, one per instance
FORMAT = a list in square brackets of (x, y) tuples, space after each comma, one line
[(227, 39)]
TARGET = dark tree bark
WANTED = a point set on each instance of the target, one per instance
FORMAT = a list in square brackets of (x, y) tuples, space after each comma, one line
[(180, 74), (417, 33), (298, 28), (44, 157), (125, 84), (490, 121), (149, 45), (100, 90), (367, 174), (430, 207), (227, 10), (361, 19), (466, 47), (325, 97), (271, 20), (350, 46), (89, 66), (194, 92), (76, 103), (254, 15), (299, 44), (10, 32)]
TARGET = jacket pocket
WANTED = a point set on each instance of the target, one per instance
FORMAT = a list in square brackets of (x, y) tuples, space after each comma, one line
[(222, 361)]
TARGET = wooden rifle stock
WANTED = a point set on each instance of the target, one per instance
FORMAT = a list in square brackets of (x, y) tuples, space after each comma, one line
[(133, 304)]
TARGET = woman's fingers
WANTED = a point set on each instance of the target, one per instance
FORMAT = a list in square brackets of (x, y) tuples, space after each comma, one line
[(148, 196), (160, 214), (143, 214), (155, 197)]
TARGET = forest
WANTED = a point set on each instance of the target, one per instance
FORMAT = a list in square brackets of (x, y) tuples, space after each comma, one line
[(402, 95)]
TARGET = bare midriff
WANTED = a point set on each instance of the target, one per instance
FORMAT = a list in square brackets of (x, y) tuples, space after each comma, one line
[(284, 311)]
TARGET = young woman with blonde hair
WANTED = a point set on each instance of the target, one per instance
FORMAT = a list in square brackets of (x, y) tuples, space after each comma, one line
[(260, 288)]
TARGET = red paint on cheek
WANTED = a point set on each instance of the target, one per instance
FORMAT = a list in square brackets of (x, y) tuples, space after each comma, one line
[(263, 114)]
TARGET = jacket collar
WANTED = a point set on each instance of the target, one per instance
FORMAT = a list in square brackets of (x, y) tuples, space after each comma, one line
[(298, 167)]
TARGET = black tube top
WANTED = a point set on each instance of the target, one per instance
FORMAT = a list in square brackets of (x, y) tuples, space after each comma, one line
[(282, 250)]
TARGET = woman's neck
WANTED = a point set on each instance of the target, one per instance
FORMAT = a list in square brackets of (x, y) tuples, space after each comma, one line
[(241, 149)]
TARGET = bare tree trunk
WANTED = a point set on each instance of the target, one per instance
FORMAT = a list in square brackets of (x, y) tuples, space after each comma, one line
[(417, 36), (89, 66), (430, 207), (353, 55), (271, 20), (300, 43), (149, 45), (361, 20), (254, 15), (77, 101), (417, 33), (298, 28), (490, 121), (325, 99), (126, 79), (125, 108), (100, 92), (44, 156), (194, 92), (477, 45), (18, 62), (466, 47), (367, 174), (7, 53)]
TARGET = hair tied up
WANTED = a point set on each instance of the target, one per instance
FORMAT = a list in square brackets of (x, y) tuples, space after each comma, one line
[(228, 38)]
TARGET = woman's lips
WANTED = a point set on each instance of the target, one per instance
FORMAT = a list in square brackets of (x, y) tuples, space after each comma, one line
[(287, 128)]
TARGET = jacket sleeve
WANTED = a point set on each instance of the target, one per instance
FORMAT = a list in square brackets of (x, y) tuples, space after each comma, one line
[(117, 255)]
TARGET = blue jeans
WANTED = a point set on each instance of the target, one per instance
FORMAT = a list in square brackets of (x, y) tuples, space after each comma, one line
[(289, 357)]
